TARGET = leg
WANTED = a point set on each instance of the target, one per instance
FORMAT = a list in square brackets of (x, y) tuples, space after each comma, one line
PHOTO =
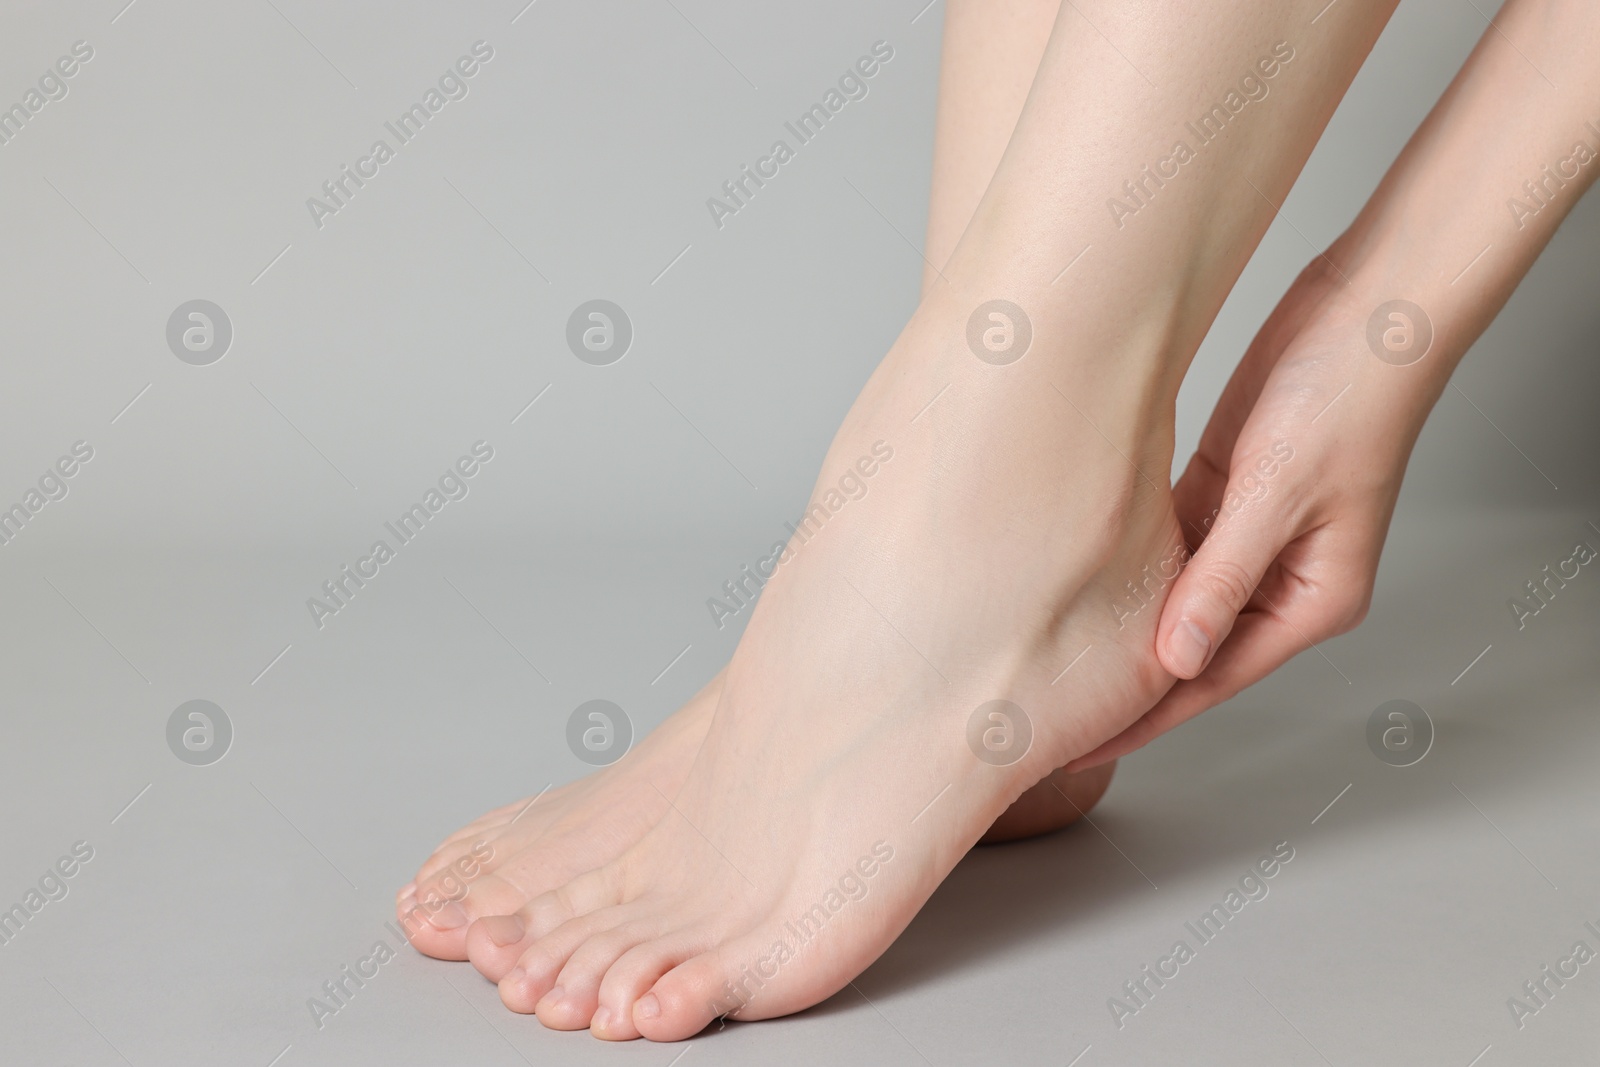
[(855, 753), (493, 866), (990, 55)]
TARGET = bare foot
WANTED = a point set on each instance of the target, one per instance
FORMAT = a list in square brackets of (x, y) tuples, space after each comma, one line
[(497, 863), (857, 750), (1058, 799), (494, 865)]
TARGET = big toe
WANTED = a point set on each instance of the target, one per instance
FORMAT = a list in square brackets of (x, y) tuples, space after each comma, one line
[(435, 926)]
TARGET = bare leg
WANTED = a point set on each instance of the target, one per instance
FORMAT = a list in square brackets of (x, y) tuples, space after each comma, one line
[(492, 867), (991, 52), (854, 756)]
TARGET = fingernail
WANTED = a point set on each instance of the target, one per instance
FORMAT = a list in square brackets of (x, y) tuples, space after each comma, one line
[(602, 1019), (648, 1007), (450, 917), (550, 1000), (503, 930), (1190, 648)]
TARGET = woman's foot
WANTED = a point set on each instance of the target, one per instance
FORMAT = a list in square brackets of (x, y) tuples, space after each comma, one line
[(902, 682), (496, 864)]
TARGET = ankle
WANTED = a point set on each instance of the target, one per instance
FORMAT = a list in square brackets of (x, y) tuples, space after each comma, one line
[(1011, 349)]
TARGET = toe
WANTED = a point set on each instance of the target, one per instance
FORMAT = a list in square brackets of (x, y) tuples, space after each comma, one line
[(686, 999), (600, 888), (533, 979), (581, 977), (466, 859), (481, 839), (428, 925), (631, 977), (438, 910), (494, 951), (495, 943), (492, 895)]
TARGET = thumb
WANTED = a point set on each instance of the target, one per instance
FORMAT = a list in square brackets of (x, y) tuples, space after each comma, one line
[(1216, 585)]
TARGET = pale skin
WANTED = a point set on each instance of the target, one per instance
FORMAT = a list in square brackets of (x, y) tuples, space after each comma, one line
[(1296, 564), (653, 896)]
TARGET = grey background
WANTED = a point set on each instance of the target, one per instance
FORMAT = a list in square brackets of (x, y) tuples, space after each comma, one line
[(428, 313)]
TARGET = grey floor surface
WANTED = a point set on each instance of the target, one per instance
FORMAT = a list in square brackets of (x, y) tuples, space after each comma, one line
[(219, 898)]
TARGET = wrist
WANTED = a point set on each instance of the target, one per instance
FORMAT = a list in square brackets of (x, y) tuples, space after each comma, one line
[(1406, 319)]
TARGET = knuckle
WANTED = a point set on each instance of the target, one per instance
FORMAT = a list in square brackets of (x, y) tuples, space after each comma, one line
[(1351, 610), (1227, 583), (1341, 612), (564, 900)]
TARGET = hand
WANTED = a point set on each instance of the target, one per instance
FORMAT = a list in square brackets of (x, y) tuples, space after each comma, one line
[(1285, 505)]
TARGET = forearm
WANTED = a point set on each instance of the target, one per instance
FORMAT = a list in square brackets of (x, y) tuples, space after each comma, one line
[(1479, 190)]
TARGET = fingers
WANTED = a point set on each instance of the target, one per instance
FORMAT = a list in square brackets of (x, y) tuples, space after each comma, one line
[(1261, 642), (1250, 375), (1319, 586), (1215, 587), (1200, 490), (1197, 496)]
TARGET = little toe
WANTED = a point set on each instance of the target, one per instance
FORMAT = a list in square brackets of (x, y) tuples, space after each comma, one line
[(685, 1000)]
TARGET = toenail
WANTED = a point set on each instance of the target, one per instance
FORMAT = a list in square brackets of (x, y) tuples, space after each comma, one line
[(407, 890), (1190, 648), (601, 1020), (504, 930), (551, 1000), (450, 917), (648, 1007)]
